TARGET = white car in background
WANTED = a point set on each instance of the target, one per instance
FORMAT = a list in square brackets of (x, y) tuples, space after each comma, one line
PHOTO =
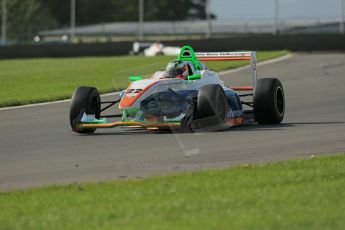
[(153, 49)]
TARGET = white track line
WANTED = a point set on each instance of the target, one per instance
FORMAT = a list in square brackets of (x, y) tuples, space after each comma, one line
[(279, 59), (48, 103)]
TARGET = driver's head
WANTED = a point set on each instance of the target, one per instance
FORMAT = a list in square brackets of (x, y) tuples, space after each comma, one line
[(177, 69)]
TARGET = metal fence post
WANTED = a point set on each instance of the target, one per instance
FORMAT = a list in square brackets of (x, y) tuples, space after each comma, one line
[(342, 15), (208, 19), (276, 17), (72, 20), (141, 20), (3, 22)]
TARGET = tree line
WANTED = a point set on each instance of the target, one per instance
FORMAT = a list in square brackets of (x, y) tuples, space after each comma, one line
[(27, 17)]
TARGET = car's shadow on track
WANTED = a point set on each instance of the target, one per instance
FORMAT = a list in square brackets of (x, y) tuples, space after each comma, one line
[(282, 126), (317, 123), (251, 127)]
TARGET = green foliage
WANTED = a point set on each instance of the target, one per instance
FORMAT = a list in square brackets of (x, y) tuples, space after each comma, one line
[(38, 80), (26, 17), (93, 12), (300, 194)]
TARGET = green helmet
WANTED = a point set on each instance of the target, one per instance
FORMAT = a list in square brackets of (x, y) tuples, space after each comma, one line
[(177, 69)]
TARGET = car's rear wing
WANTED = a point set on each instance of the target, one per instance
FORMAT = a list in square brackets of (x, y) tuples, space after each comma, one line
[(233, 56), (187, 54)]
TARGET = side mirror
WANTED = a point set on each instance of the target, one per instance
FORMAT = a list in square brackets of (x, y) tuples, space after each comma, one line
[(194, 77), (134, 78)]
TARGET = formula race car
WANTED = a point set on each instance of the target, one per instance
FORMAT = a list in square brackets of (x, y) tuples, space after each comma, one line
[(186, 95)]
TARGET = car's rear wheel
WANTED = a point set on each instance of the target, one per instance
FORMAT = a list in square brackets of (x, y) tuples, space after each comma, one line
[(269, 101), (212, 106), (86, 100)]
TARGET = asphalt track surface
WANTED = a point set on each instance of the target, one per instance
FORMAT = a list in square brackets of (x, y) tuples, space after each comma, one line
[(37, 146)]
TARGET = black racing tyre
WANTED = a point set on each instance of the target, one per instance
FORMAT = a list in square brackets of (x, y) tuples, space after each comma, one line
[(87, 100), (269, 101), (212, 105)]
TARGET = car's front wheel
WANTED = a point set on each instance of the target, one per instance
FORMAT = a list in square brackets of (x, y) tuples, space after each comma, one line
[(86, 100), (212, 106)]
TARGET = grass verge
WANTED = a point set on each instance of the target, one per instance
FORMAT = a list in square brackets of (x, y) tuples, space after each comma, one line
[(26, 81), (299, 194)]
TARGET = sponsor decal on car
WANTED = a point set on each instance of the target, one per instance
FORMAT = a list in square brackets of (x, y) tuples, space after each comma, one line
[(133, 92)]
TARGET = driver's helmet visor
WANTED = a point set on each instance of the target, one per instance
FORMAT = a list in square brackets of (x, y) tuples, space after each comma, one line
[(174, 72)]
